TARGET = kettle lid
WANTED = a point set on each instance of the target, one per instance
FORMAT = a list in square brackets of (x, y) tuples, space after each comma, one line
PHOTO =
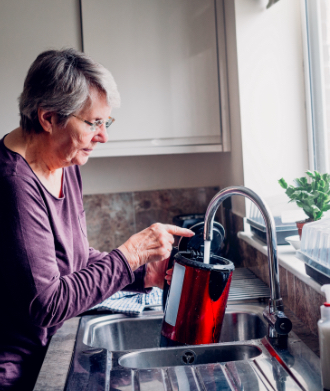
[(196, 243), (217, 263)]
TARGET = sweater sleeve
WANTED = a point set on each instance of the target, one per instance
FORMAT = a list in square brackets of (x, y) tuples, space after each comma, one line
[(137, 285), (30, 262)]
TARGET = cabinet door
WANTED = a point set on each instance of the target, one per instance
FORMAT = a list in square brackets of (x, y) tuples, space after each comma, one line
[(163, 56), (26, 29)]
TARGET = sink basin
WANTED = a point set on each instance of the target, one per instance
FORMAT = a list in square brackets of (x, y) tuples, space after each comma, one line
[(172, 357), (121, 333), (119, 352)]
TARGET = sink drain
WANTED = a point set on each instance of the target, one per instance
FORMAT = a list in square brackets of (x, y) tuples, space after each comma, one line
[(188, 357)]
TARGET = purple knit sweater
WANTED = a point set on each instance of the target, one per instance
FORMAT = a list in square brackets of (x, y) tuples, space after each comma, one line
[(48, 273)]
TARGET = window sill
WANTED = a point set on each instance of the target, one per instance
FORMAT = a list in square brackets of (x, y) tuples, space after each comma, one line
[(286, 258)]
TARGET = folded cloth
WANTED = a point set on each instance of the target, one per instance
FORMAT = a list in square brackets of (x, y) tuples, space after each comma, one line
[(131, 303)]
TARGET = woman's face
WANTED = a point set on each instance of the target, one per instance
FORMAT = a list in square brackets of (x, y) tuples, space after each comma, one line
[(74, 142)]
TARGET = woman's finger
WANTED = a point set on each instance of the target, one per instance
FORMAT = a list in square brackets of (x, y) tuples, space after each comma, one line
[(169, 271), (175, 230), (152, 244)]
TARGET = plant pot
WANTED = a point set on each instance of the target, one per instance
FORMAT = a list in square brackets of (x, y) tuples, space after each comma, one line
[(300, 225)]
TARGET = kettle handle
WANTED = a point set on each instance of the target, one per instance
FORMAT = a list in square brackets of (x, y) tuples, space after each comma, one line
[(166, 288)]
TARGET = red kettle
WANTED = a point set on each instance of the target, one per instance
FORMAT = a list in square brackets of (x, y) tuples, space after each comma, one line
[(197, 299)]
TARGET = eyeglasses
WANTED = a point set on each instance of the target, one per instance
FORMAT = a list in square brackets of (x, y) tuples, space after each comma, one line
[(94, 125)]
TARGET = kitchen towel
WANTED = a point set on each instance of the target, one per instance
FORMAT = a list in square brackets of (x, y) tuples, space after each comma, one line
[(131, 303)]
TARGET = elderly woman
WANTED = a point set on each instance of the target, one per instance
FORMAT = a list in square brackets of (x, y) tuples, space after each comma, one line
[(48, 271)]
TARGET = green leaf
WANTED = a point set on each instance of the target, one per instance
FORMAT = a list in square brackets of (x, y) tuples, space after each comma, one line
[(304, 206), (283, 183), (309, 214), (315, 212), (326, 178), (290, 190), (296, 194), (303, 180), (307, 208), (311, 193), (298, 182), (305, 195), (318, 216)]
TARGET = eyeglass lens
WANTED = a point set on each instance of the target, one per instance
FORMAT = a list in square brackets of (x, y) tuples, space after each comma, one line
[(107, 123)]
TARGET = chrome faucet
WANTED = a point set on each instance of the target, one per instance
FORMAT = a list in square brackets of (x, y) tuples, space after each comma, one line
[(279, 324)]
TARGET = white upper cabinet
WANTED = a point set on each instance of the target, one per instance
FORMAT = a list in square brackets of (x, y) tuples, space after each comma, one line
[(166, 57), (26, 29)]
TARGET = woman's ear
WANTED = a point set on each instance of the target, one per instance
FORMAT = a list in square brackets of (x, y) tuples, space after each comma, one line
[(46, 119)]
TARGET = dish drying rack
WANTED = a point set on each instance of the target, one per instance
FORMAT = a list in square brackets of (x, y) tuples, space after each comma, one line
[(315, 250)]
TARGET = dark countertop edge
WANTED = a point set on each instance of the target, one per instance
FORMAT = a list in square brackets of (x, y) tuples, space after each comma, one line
[(54, 370)]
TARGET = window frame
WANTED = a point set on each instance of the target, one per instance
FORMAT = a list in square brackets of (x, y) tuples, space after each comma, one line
[(315, 93)]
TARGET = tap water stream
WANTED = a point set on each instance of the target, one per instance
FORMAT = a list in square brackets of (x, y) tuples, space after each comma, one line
[(207, 251)]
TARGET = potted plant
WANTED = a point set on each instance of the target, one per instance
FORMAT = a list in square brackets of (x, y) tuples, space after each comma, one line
[(311, 193)]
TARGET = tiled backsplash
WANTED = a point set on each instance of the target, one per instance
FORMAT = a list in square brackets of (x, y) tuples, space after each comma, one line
[(303, 300), (113, 218)]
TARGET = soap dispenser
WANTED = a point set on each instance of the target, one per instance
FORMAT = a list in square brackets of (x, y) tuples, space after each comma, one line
[(324, 338)]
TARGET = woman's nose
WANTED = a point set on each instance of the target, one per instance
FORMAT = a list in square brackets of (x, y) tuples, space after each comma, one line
[(102, 134)]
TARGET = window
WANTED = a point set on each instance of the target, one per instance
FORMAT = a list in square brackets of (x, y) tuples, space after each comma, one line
[(317, 28)]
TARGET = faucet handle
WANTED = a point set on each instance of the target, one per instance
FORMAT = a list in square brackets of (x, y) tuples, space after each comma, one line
[(283, 324), (278, 321)]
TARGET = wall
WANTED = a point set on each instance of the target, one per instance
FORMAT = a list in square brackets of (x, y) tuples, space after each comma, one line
[(272, 96), (113, 218)]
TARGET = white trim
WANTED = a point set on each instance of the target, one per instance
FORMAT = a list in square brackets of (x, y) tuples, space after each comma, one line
[(223, 74), (114, 150), (315, 97), (308, 101)]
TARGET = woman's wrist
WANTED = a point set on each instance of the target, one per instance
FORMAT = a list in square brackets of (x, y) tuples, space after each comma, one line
[(148, 283), (133, 263)]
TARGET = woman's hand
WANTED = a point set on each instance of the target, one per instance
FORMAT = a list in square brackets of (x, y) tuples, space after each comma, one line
[(168, 276), (153, 244), (155, 274)]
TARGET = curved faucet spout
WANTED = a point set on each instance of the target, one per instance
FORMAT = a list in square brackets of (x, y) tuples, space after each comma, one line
[(275, 304)]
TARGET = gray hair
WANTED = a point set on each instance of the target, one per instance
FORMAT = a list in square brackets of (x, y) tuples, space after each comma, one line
[(59, 81)]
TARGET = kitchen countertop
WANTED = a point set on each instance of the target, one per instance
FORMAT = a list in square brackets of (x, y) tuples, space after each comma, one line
[(55, 368)]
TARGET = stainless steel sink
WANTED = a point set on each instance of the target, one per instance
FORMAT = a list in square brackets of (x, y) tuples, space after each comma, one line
[(172, 357), (122, 333), (118, 352)]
